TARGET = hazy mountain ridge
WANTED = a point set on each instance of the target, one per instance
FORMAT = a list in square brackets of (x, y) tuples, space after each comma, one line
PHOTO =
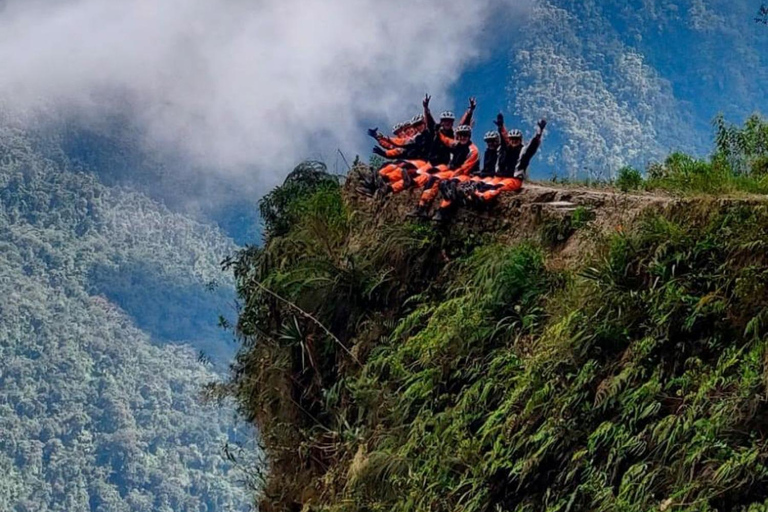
[(627, 82), (117, 238), (94, 417)]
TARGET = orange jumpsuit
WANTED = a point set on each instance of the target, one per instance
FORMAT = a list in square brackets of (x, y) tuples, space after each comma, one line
[(465, 161), (516, 160)]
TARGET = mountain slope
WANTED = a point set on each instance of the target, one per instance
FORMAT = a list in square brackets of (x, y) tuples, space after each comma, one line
[(96, 413), (567, 349), (627, 82)]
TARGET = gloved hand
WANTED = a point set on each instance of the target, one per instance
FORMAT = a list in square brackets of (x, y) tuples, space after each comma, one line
[(373, 132), (377, 150), (427, 97), (499, 120), (472, 103), (542, 124)]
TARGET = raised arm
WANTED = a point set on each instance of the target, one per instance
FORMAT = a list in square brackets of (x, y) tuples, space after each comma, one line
[(384, 142), (428, 113), (447, 140), (389, 142), (530, 149), (399, 142), (499, 122), (467, 117)]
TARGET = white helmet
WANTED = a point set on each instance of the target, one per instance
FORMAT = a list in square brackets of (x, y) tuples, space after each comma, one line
[(447, 115), (464, 128), (494, 135), (418, 118), (515, 134), (397, 127)]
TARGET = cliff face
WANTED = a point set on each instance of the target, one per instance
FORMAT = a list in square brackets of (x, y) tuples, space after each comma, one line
[(568, 349)]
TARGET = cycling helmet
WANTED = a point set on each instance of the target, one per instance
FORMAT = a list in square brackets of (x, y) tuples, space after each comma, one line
[(515, 134), (418, 118), (447, 115), (398, 127), (491, 136), (464, 128)]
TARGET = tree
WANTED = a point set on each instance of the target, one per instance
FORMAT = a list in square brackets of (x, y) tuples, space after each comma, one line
[(762, 15)]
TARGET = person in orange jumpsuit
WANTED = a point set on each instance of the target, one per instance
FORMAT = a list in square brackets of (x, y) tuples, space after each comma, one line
[(392, 148), (465, 159), (398, 134), (460, 188), (514, 160), (441, 154), (409, 155)]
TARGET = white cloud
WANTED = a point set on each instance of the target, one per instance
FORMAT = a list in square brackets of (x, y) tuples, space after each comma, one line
[(237, 83)]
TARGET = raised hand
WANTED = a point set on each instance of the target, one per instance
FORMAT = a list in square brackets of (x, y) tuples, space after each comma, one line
[(427, 97), (377, 150), (499, 120), (373, 132), (472, 103)]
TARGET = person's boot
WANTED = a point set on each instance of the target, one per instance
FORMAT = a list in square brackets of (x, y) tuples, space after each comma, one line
[(367, 184), (421, 212), (407, 180), (365, 190), (442, 215), (383, 191), (466, 195), (470, 200), (379, 181)]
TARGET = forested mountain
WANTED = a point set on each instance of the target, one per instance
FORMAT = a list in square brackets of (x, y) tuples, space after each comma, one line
[(98, 412), (625, 82), (151, 262), (570, 348)]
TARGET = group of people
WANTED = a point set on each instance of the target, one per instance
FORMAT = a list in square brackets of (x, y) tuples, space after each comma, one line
[(443, 160)]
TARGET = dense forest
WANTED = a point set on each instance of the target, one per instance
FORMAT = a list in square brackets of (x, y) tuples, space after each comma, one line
[(105, 300), (401, 366)]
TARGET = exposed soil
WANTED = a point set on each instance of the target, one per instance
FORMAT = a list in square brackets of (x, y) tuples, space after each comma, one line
[(523, 214)]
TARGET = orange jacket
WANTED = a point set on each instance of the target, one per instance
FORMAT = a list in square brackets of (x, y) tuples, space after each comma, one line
[(466, 157), (392, 142)]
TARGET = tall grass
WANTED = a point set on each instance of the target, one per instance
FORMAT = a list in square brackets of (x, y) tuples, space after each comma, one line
[(405, 369)]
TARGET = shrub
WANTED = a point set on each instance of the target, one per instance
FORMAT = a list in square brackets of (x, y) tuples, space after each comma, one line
[(277, 207), (628, 178), (581, 217)]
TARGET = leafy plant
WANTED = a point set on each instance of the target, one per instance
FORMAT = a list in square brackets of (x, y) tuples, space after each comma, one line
[(628, 179), (475, 377), (278, 207)]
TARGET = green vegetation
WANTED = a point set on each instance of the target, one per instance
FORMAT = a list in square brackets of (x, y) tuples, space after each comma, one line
[(628, 178), (739, 165), (98, 410), (400, 368)]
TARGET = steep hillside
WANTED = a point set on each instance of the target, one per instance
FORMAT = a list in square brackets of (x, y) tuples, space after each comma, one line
[(621, 85), (100, 409), (569, 349), (154, 264)]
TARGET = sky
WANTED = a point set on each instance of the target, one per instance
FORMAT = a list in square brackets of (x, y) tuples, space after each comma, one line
[(240, 86), (239, 91)]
